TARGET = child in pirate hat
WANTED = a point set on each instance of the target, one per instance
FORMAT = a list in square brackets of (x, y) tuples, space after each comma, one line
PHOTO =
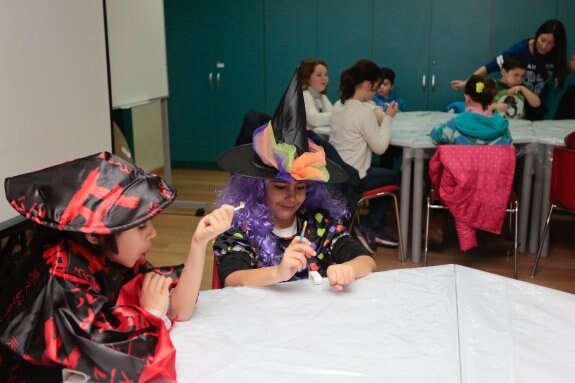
[(290, 224), (84, 297)]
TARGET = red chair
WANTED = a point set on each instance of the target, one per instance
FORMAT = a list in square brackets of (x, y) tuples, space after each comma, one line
[(216, 282), (381, 192), (562, 192)]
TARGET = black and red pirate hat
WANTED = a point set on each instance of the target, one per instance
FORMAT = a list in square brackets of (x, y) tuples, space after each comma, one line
[(98, 194)]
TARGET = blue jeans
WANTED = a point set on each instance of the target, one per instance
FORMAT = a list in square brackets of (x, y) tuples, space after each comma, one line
[(378, 177)]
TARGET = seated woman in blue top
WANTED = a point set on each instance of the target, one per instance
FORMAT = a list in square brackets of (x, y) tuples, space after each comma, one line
[(546, 58), (290, 223), (477, 125)]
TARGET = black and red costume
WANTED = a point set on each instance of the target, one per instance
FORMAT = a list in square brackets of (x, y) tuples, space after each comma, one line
[(72, 309), (67, 306)]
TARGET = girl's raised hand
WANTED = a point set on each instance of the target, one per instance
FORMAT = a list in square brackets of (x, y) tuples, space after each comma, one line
[(295, 258), (215, 223)]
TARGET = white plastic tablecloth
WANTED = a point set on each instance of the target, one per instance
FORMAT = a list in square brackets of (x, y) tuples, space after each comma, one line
[(436, 324)]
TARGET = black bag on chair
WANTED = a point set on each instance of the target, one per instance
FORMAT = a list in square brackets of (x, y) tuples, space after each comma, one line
[(252, 120), (566, 107)]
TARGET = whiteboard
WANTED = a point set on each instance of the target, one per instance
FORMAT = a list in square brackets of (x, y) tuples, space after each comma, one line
[(137, 50), (54, 99)]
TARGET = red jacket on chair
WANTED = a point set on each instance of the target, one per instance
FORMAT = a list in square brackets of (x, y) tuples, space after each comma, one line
[(474, 183)]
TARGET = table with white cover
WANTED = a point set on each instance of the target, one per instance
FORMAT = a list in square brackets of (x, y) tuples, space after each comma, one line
[(436, 324)]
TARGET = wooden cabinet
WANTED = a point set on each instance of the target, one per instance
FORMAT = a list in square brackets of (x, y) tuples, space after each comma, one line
[(216, 74)]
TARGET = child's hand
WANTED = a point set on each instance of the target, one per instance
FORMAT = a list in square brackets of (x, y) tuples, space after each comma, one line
[(340, 275), (392, 109), (515, 90), (214, 223), (500, 107), (295, 258), (155, 293), (457, 84)]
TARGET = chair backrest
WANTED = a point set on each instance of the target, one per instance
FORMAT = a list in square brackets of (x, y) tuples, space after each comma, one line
[(563, 178), (252, 120), (566, 107)]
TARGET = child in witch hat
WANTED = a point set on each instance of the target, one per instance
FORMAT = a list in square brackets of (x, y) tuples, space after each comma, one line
[(84, 298), (281, 180)]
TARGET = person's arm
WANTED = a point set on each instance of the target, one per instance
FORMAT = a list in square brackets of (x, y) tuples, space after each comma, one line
[(521, 48), (351, 261), (442, 134), (401, 104), (375, 134), (532, 98), (340, 275), (184, 295), (460, 84), (499, 107), (294, 260)]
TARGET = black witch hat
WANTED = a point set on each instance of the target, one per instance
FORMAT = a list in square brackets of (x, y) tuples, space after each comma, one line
[(281, 149), (98, 194)]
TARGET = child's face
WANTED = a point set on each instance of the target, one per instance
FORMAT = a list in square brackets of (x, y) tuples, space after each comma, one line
[(319, 78), (513, 77), (284, 199), (133, 244), (385, 88), (545, 43)]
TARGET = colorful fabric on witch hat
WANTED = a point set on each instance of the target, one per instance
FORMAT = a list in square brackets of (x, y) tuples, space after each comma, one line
[(308, 166)]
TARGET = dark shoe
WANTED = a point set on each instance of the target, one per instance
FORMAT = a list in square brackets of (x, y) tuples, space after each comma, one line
[(386, 237), (435, 237), (437, 223), (495, 242), (367, 238)]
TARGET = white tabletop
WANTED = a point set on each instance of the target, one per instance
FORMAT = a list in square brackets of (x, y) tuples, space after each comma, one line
[(436, 324), (553, 132), (412, 129)]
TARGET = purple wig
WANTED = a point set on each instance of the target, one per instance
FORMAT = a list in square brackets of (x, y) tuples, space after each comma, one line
[(256, 218)]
